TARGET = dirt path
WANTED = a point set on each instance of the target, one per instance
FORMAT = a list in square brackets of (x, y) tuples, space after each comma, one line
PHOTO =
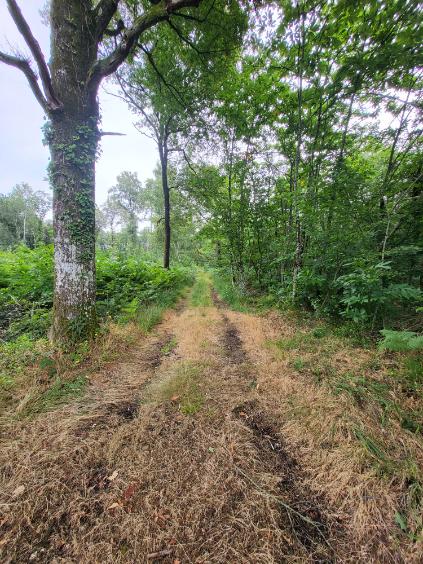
[(183, 452)]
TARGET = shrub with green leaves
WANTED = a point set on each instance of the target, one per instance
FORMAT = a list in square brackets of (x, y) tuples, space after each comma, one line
[(367, 292), (26, 290), (124, 285)]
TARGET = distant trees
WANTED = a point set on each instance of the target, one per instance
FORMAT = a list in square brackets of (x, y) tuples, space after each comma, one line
[(22, 217), (126, 199), (186, 221), (131, 221), (173, 80), (127, 204)]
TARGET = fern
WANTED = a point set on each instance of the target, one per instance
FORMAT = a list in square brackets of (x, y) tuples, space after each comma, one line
[(401, 341)]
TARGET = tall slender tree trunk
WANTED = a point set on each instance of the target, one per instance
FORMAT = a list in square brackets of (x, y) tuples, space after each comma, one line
[(229, 223), (387, 180), (163, 151), (73, 138), (298, 229), (339, 165)]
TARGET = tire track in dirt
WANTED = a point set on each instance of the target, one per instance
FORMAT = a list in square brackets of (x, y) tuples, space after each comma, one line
[(231, 340), (115, 412), (302, 512), (319, 428)]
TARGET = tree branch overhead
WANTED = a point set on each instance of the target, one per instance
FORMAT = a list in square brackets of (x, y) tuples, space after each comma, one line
[(25, 67), (157, 13), (51, 102)]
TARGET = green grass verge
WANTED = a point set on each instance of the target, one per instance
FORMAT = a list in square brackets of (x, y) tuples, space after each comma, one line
[(231, 294), (61, 392), (201, 291), (237, 299)]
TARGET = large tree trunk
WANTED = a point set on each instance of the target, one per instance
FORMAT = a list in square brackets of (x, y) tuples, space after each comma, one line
[(73, 139), (163, 150), (73, 179)]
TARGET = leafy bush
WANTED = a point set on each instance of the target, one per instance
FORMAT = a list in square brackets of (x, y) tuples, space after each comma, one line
[(367, 293), (15, 357), (26, 288), (311, 287), (35, 324), (123, 285), (228, 292), (411, 376)]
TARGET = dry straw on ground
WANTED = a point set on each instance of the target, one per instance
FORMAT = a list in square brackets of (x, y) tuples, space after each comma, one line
[(202, 445)]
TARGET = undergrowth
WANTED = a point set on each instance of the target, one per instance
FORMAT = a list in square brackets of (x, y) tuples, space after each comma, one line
[(129, 290), (126, 285), (237, 299)]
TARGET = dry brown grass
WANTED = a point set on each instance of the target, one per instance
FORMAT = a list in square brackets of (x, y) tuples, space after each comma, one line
[(94, 482), (32, 383), (264, 469), (329, 433)]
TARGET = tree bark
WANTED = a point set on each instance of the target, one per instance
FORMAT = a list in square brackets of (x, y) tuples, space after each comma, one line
[(339, 165), (73, 139), (298, 231), (163, 151), (67, 92)]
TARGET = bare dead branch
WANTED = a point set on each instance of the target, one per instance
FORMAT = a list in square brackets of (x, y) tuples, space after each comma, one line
[(52, 101), (25, 67), (102, 133), (127, 96)]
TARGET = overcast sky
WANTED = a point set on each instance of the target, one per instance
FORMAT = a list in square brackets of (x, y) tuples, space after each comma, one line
[(23, 158)]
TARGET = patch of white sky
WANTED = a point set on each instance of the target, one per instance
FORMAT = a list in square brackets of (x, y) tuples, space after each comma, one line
[(23, 157)]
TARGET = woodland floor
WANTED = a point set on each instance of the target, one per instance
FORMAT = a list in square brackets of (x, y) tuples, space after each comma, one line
[(203, 444)]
